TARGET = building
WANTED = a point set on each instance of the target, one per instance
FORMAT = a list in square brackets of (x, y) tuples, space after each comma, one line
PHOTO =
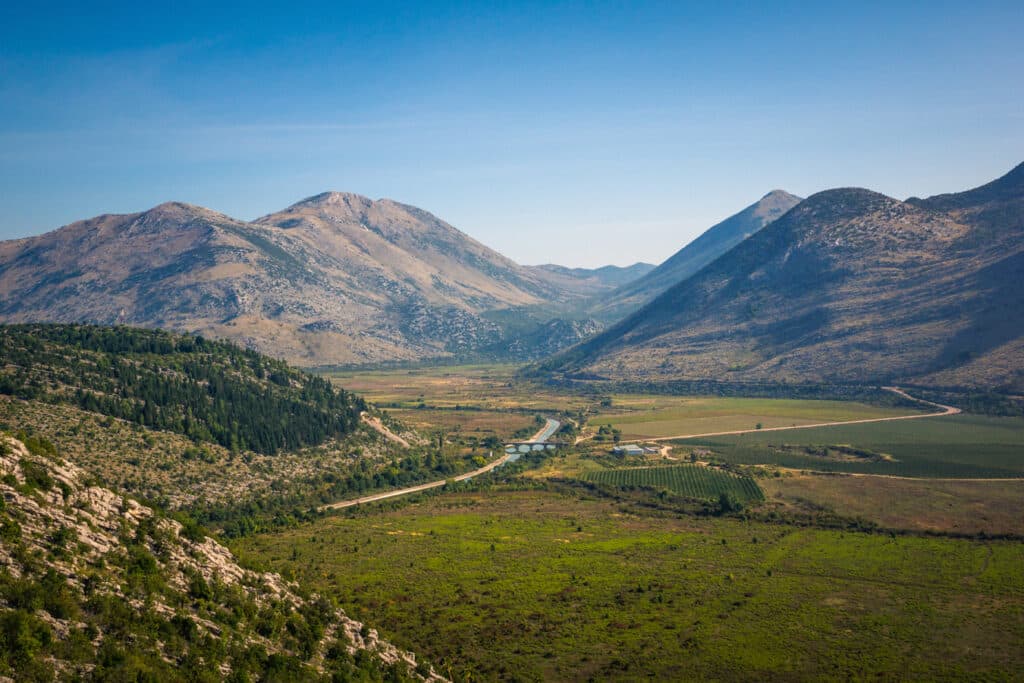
[(628, 449)]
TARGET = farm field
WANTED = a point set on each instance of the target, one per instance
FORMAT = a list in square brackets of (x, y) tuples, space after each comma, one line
[(640, 417), (483, 386), (958, 446), (479, 423), (495, 389), (967, 506), (542, 585), (693, 481)]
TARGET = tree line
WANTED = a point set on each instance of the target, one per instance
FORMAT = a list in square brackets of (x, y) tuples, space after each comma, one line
[(209, 391)]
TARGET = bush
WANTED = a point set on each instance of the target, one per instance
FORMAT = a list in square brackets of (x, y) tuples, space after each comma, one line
[(10, 531), (22, 636), (728, 502), (36, 476)]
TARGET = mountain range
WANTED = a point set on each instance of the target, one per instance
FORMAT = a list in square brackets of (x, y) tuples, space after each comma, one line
[(848, 286), (715, 241), (334, 279)]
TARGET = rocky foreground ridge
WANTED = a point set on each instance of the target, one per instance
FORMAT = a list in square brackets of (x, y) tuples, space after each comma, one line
[(95, 584)]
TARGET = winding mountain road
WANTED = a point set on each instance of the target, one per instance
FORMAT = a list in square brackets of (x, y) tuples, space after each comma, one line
[(543, 434)]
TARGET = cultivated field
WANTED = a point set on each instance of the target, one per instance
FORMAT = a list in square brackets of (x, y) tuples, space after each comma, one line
[(692, 481), (640, 417), (492, 387), (959, 446), (535, 585), (479, 423)]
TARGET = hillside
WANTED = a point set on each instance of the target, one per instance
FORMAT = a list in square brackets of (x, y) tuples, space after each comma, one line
[(94, 585), (850, 286), (334, 279), (714, 242), (239, 440), (207, 391)]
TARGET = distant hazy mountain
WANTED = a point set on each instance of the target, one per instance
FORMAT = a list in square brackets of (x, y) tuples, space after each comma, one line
[(336, 278), (603, 277), (850, 285), (714, 242)]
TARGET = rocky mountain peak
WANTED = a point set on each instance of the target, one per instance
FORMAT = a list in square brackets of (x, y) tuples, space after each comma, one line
[(335, 200), (773, 205), (779, 195)]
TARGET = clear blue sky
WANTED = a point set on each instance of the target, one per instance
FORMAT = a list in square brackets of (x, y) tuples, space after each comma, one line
[(580, 133)]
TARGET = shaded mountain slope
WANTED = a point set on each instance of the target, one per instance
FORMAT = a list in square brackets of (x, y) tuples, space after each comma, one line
[(850, 285), (714, 242)]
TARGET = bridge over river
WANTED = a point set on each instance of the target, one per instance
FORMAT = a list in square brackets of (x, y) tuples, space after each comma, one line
[(539, 442)]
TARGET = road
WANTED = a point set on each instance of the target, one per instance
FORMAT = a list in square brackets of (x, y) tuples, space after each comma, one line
[(945, 410), (546, 432), (375, 423), (542, 435)]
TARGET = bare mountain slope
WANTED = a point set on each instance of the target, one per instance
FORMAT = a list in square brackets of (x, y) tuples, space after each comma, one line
[(714, 242), (850, 285), (336, 278), (371, 241)]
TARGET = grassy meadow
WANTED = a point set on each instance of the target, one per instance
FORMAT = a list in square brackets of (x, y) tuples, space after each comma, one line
[(548, 585), (592, 566), (959, 506)]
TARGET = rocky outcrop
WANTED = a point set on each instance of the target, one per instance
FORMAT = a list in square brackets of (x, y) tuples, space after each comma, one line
[(91, 543)]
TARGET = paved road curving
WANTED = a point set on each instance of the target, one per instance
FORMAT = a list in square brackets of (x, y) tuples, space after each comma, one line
[(542, 435), (946, 410)]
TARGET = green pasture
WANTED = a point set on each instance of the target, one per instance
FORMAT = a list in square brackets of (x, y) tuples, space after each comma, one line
[(546, 586), (959, 446)]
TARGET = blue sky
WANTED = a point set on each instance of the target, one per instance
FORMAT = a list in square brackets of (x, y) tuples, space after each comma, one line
[(577, 133)]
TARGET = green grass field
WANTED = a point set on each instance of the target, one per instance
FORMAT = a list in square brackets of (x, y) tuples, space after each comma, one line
[(652, 417), (960, 446), (546, 586), (693, 481), (960, 506)]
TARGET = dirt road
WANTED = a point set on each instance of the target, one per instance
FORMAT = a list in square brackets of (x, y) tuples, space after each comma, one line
[(375, 423), (541, 434), (945, 410)]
